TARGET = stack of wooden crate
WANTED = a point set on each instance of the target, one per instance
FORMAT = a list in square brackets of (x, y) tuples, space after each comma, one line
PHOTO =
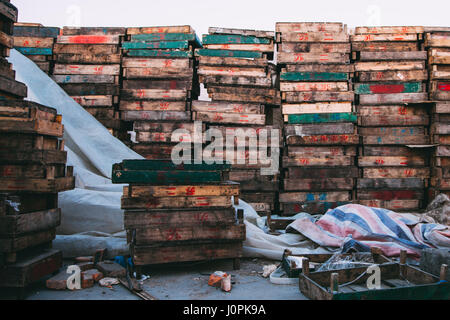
[(437, 41), (235, 69), (87, 67), (9, 87), (36, 42), (393, 118), (320, 123), (159, 82), (179, 213), (32, 172)]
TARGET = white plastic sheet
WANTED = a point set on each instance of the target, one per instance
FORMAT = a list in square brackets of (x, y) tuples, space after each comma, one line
[(91, 214)]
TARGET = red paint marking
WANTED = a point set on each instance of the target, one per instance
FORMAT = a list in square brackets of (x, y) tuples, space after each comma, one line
[(444, 86), (88, 39), (387, 88)]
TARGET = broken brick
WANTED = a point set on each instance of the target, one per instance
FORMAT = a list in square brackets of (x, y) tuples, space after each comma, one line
[(92, 273)]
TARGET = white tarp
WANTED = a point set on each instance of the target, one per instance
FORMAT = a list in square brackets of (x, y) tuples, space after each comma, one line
[(91, 214)]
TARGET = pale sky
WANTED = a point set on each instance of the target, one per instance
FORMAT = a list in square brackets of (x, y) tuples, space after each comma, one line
[(249, 14)]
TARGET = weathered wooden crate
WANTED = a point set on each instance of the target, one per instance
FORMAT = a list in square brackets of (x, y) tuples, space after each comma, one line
[(398, 282)]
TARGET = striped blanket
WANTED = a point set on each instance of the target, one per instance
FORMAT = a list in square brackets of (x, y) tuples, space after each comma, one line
[(364, 227)]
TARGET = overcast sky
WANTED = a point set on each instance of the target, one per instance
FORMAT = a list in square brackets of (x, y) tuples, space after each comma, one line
[(250, 14)]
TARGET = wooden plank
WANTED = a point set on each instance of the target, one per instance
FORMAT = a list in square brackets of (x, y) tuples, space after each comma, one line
[(15, 225), (306, 58), (395, 205), (317, 108), (94, 101), (318, 129), (88, 58), (164, 29), (237, 80), (241, 47), (223, 107), (293, 197), (165, 127), (175, 202), (312, 47), (152, 105), (92, 49), (32, 126), (229, 189), (186, 253), (232, 71), (172, 54), (33, 42), (36, 31), (387, 184), (87, 69), (228, 53), (385, 46), (389, 195), (156, 115), (386, 161), (300, 173), (323, 140), (132, 45), (85, 79), (170, 234), (396, 173), (13, 87), (45, 156), (169, 84), (92, 31), (95, 89), (388, 29), (437, 40), (233, 62), (319, 161), (312, 76), (156, 37), (318, 96), (406, 87), (34, 51), (89, 39), (38, 185), (408, 55), (8, 11), (263, 99), (157, 73), (146, 219), (331, 37), (150, 165), (290, 27), (389, 66), (384, 37), (392, 131), (322, 118), (314, 86), (331, 184), (242, 32), (347, 68), (380, 99), (397, 110), (233, 39), (156, 63), (411, 75), (439, 57), (153, 94), (214, 117), (165, 178), (22, 242)]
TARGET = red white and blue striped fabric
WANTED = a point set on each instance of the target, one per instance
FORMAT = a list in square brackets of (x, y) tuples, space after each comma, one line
[(373, 227)]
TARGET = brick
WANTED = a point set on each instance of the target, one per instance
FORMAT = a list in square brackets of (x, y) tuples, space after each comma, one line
[(58, 282), (111, 269), (92, 273)]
